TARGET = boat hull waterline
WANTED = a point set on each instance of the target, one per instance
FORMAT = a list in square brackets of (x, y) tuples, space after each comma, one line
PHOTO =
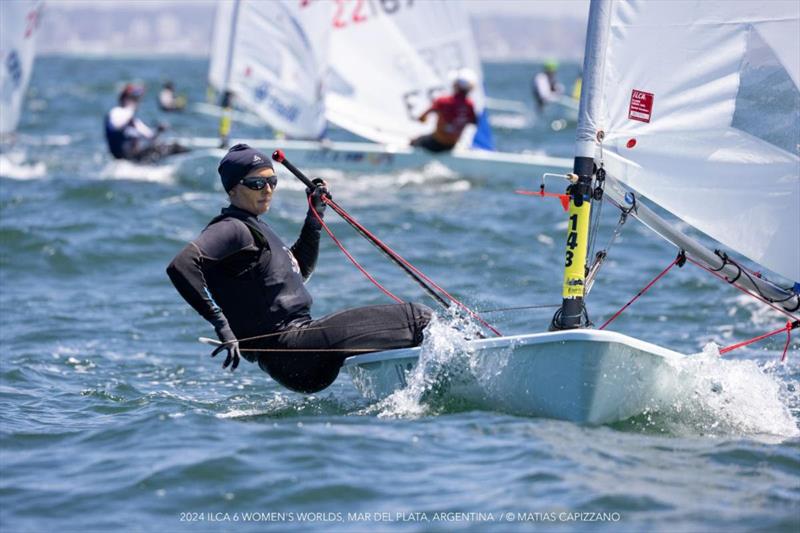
[(586, 376)]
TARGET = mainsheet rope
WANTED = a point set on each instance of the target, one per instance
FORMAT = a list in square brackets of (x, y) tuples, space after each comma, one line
[(352, 259), (278, 333), (384, 247), (424, 281)]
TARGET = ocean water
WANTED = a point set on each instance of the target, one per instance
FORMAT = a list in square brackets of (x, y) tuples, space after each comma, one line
[(113, 417)]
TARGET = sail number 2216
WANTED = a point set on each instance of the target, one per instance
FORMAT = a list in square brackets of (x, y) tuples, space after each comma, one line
[(358, 11)]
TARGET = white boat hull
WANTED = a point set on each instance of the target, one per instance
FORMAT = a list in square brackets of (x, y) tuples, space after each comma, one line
[(379, 158), (586, 376)]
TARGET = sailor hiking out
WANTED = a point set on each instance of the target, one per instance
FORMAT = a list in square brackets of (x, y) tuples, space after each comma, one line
[(240, 276)]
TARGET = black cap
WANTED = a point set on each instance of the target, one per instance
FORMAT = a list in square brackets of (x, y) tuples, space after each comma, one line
[(240, 161)]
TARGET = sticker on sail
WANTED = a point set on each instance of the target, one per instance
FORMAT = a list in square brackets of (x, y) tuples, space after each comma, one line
[(641, 106)]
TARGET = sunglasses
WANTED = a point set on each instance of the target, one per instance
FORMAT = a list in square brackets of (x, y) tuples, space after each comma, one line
[(257, 184)]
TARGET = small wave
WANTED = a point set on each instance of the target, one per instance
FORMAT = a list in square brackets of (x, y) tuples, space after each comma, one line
[(46, 140), (190, 198), (287, 405), (515, 121), (15, 167), (127, 170)]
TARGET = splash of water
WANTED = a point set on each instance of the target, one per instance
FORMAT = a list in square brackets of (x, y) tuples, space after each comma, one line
[(445, 357), (14, 165), (710, 395)]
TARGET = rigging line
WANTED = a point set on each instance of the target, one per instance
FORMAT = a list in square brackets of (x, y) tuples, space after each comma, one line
[(623, 218), (399, 325), (405, 264), (279, 156), (642, 291), (386, 251), (602, 255), (597, 197), (787, 328), (723, 258), (756, 296), (349, 256)]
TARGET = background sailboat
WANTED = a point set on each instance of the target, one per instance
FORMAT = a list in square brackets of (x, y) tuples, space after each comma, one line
[(19, 22), (271, 55), (414, 50), (325, 61), (670, 108)]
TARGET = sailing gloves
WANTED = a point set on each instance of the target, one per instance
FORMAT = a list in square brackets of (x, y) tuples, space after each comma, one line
[(230, 344), (316, 195)]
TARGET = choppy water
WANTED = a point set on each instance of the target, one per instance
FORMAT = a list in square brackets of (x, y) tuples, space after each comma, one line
[(114, 417)]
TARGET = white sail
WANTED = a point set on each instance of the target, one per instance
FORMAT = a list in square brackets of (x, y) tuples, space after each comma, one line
[(390, 59), (700, 109), (19, 22), (377, 84), (221, 45), (273, 57), (441, 33)]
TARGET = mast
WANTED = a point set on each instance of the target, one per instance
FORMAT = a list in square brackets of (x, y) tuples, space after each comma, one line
[(227, 97), (572, 313)]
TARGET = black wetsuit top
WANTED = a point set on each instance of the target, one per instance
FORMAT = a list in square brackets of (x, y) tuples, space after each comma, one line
[(239, 273)]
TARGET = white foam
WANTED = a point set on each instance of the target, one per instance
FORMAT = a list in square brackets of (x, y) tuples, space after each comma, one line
[(545, 239), (708, 394), (127, 170), (279, 402), (511, 121), (14, 166), (445, 356), (191, 198)]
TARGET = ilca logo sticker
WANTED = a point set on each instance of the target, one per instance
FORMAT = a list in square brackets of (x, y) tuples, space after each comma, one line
[(641, 106)]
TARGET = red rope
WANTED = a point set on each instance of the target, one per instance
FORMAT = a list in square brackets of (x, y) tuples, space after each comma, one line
[(350, 257), (642, 291), (788, 340), (416, 271), (787, 328), (790, 325), (345, 215)]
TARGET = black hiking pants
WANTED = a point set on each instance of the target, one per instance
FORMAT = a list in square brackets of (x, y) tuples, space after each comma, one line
[(306, 367)]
